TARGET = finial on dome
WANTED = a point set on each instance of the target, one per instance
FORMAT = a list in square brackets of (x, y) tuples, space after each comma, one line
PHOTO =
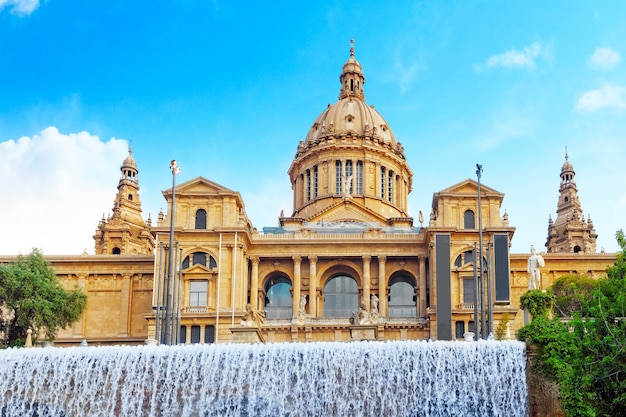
[(130, 147), (566, 157), (352, 47)]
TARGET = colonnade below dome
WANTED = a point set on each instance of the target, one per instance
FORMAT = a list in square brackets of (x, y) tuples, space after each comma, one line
[(374, 185)]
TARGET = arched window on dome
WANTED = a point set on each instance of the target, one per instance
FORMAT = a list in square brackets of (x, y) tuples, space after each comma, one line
[(469, 220), (338, 177), (359, 178), (116, 251), (382, 182), (341, 296), (402, 297), (390, 187), (200, 219), (308, 185), (349, 177), (278, 303)]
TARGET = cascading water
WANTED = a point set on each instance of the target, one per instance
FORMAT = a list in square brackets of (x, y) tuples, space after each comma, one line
[(484, 378)]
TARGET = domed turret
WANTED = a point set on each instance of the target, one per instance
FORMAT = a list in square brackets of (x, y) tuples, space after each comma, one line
[(569, 232), (350, 156), (125, 231)]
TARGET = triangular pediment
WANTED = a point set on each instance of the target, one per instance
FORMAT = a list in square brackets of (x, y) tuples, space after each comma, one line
[(197, 269), (200, 186), (467, 187), (348, 211)]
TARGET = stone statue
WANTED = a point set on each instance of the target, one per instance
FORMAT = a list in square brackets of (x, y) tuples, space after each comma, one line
[(251, 317), (374, 308), (302, 305), (301, 317), (535, 262), (361, 317)]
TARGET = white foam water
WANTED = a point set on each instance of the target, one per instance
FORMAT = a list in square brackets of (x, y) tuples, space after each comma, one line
[(412, 378)]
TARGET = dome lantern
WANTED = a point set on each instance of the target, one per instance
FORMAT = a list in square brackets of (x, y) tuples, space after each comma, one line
[(352, 78)]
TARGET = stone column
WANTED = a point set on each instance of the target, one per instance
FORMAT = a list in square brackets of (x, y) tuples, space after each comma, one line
[(297, 262), (313, 286), (382, 285), (126, 301), (254, 284), (422, 287), (366, 281), (79, 327)]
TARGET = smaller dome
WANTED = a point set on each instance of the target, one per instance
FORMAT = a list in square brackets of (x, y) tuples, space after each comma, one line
[(567, 166), (129, 162)]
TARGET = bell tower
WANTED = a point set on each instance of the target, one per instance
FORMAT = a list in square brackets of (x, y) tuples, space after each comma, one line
[(570, 233), (125, 232)]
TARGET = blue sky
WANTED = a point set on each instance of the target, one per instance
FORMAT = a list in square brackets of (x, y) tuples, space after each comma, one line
[(228, 88)]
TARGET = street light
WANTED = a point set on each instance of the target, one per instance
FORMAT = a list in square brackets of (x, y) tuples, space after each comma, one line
[(167, 336)]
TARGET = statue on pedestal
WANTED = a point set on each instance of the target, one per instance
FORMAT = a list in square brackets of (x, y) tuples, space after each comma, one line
[(535, 262), (251, 317)]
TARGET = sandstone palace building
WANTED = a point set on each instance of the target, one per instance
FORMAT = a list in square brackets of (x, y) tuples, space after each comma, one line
[(349, 262)]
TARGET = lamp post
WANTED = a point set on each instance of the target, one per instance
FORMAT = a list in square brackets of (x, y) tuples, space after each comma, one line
[(479, 171), (167, 334)]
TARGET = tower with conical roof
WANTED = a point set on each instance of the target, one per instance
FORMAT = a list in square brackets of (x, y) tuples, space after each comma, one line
[(125, 232), (570, 233), (350, 168)]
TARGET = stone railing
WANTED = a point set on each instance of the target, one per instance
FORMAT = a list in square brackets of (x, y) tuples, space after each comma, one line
[(195, 309)]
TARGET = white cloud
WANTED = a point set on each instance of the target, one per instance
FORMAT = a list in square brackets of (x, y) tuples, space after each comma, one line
[(604, 58), (405, 77), (514, 59), (607, 96), (55, 189), (20, 7)]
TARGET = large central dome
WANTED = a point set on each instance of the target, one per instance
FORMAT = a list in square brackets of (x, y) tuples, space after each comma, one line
[(350, 168), (351, 115)]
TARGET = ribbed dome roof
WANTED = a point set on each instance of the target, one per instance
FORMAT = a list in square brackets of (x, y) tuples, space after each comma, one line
[(351, 115)]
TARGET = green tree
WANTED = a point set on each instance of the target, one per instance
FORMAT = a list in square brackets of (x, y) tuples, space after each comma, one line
[(31, 297), (571, 293), (586, 357)]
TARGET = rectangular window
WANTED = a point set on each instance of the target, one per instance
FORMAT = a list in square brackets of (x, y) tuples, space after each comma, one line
[(183, 335), (198, 293), (315, 181), (382, 183), (195, 334), (209, 334), (359, 178), (468, 293), (338, 177), (460, 329)]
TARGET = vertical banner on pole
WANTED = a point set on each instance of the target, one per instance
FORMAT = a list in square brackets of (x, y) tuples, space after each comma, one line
[(444, 299), (502, 268)]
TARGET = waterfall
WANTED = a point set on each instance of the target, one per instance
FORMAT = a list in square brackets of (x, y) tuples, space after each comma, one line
[(408, 378)]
